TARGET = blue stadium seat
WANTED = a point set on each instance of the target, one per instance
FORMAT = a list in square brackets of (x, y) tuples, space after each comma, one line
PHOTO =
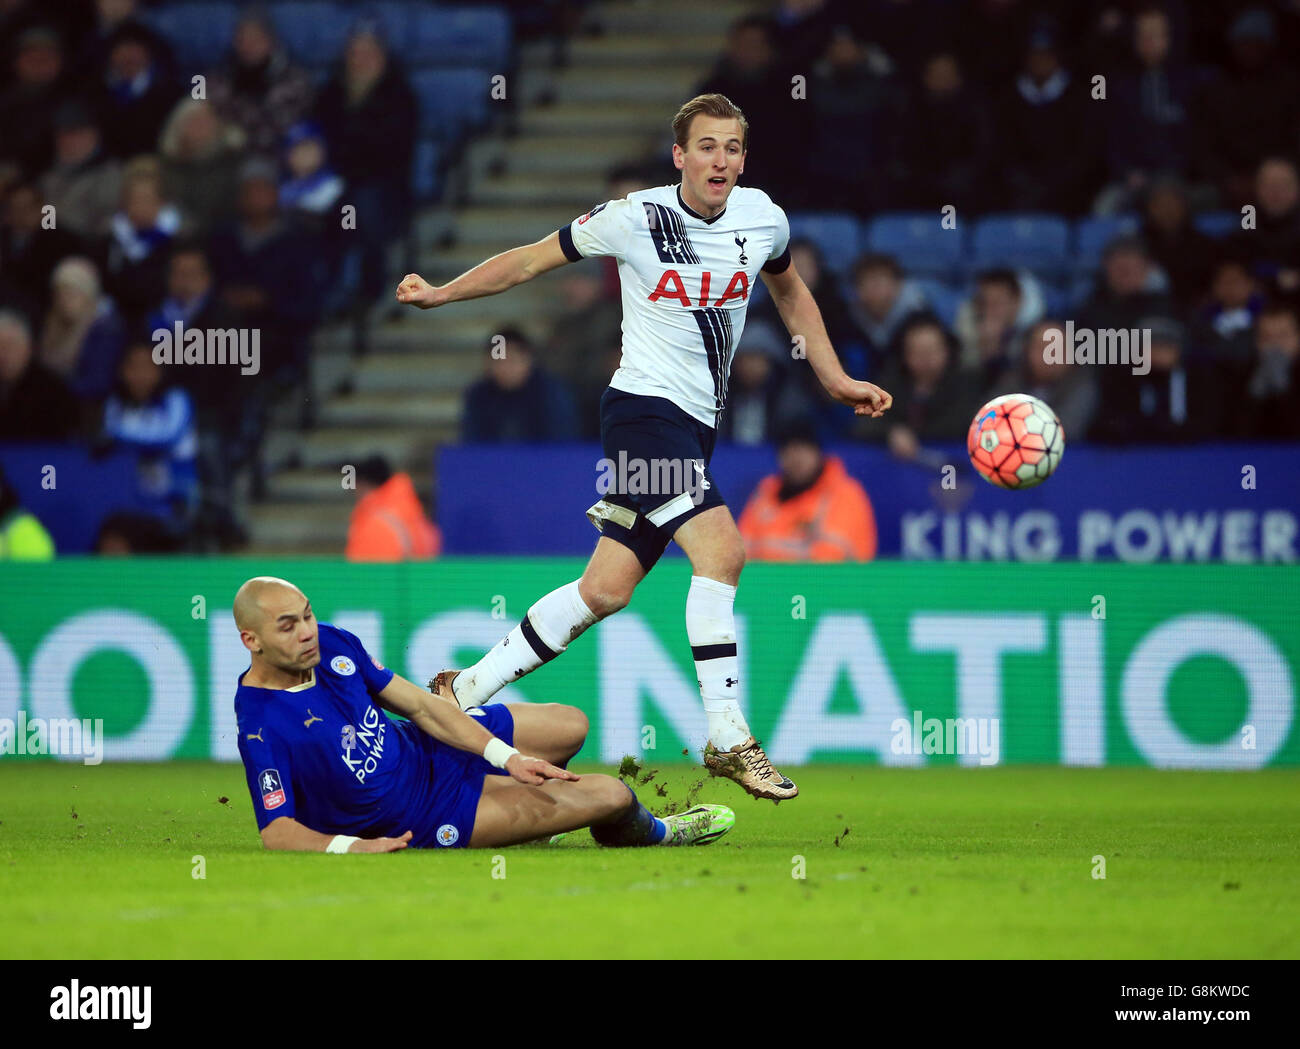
[(1218, 224), (943, 297), (460, 36), (397, 20), (425, 178), (834, 233), (200, 33), (1056, 299), (918, 241), (313, 31), (1080, 290), (1091, 235), (452, 101), (1038, 242)]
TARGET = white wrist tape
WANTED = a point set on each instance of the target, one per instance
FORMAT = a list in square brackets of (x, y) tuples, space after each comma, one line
[(498, 752), (340, 843)]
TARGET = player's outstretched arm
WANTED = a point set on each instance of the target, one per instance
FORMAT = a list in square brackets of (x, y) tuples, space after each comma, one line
[(287, 834), (798, 309), (445, 721), (497, 274)]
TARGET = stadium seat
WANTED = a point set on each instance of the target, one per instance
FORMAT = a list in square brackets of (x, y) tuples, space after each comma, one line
[(1218, 224), (1091, 235), (1056, 299), (1035, 241), (834, 233), (313, 31), (425, 179), (917, 240), (452, 101), (1080, 290), (460, 36), (944, 298), (200, 33), (397, 21)]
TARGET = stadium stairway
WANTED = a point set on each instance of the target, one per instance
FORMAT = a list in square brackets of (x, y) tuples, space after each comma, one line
[(626, 70)]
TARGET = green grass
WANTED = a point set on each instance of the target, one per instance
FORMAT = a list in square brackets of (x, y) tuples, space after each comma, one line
[(969, 863)]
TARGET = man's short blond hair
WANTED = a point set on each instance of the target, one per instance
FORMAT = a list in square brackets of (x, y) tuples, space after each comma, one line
[(710, 106)]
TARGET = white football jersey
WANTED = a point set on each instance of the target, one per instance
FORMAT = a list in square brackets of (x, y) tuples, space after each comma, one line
[(686, 282)]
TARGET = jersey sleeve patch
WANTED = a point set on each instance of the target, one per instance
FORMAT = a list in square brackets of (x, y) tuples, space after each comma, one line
[(272, 790)]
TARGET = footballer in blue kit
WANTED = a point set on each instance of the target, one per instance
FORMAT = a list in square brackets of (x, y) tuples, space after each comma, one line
[(328, 770)]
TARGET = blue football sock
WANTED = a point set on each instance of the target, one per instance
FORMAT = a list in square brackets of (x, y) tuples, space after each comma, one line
[(635, 826)]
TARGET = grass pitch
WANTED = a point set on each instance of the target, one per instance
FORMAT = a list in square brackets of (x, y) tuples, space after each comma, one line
[(945, 862)]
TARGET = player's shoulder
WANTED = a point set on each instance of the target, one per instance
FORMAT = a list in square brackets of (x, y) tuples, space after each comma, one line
[(751, 199), (330, 634), (635, 206), (653, 195), (607, 212), (256, 719), (333, 639)]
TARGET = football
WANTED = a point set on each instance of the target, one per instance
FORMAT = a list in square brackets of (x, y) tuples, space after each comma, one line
[(1015, 441)]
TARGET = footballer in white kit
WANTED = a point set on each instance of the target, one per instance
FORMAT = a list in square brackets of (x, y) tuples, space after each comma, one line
[(688, 256), (686, 283)]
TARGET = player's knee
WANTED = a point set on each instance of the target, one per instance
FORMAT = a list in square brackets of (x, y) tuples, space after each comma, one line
[(605, 600), (578, 726), (608, 794), (724, 565), (571, 727), (737, 558)]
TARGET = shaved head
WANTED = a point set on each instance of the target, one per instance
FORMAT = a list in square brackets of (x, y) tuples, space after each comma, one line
[(277, 626), (251, 599)]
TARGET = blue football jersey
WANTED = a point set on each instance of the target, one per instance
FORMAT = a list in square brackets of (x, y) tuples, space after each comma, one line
[(325, 754)]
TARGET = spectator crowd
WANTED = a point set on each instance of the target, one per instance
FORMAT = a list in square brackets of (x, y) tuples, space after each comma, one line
[(138, 195), (128, 203), (1143, 116), (864, 107)]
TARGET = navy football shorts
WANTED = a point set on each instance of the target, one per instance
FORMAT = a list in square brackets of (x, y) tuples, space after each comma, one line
[(458, 780), (675, 449)]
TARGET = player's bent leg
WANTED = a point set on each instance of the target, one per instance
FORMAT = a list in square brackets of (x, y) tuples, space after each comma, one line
[(610, 577), (510, 812), (713, 544), (553, 731), (717, 554), (553, 622)]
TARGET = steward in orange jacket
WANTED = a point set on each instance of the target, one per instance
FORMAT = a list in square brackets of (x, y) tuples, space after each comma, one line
[(388, 523), (811, 511)]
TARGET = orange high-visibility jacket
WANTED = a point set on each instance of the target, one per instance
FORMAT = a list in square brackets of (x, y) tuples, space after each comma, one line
[(832, 521), (389, 524)]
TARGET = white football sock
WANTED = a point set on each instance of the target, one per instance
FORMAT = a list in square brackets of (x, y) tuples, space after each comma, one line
[(541, 635), (711, 628)]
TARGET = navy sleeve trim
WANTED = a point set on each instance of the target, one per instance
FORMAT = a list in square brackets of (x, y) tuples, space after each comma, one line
[(779, 264), (570, 250)]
